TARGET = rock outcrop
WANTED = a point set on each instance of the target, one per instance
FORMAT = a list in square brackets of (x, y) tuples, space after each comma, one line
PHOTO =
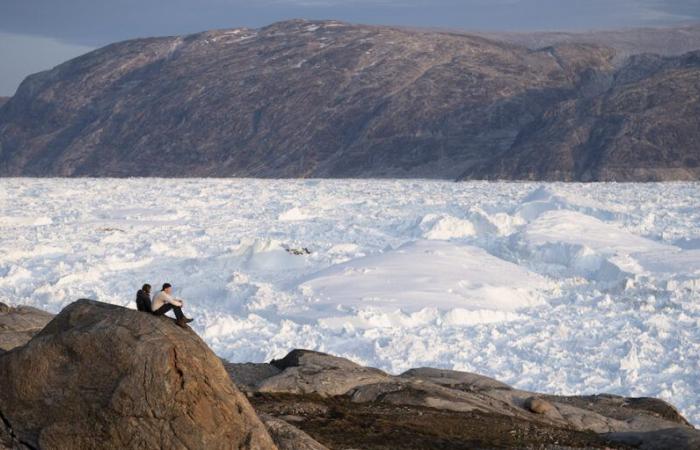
[(329, 99), (304, 372), (288, 437), (18, 325), (310, 378), (101, 376)]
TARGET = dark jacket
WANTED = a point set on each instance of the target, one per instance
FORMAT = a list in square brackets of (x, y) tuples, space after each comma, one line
[(143, 301)]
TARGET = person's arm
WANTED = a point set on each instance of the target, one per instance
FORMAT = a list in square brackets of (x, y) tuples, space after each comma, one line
[(173, 301)]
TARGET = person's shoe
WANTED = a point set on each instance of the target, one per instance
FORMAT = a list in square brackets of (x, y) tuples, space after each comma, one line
[(188, 320), (181, 323)]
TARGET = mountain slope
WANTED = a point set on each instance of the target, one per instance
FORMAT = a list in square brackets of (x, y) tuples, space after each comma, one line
[(643, 128), (328, 99), (668, 41)]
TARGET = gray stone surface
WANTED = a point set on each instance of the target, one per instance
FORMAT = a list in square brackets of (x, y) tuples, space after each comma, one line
[(305, 372), (454, 379)]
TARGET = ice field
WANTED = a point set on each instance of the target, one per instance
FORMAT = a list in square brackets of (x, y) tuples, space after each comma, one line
[(562, 288)]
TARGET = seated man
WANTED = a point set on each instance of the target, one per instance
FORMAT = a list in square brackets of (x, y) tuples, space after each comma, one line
[(143, 298), (164, 302)]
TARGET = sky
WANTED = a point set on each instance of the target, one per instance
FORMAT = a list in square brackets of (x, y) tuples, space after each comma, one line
[(36, 35)]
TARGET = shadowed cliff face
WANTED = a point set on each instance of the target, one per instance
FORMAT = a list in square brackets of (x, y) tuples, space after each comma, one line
[(327, 99)]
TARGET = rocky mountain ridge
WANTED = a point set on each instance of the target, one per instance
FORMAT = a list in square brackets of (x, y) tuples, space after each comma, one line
[(99, 373), (666, 41), (330, 99)]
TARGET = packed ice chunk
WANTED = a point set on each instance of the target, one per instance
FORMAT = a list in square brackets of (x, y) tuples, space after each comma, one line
[(438, 274), (445, 227)]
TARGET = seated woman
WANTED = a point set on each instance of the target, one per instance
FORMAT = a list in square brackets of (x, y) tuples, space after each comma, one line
[(164, 302), (143, 298)]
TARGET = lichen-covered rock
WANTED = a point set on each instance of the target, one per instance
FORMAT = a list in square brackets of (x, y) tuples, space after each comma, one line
[(102, 376)]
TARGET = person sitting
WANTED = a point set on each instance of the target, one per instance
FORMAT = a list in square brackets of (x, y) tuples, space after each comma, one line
[(164, 302), (143, 298)]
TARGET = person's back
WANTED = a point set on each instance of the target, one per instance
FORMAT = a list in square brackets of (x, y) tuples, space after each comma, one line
[(143, 298)]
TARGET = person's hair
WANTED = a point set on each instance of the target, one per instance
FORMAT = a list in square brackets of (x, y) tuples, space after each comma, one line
[(146, 287), (166, 286)]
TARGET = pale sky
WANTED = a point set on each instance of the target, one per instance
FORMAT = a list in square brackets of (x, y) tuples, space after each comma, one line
[(36, 35)]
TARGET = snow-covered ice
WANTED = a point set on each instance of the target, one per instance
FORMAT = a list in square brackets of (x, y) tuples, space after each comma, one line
[(566, 288), (435, 274)]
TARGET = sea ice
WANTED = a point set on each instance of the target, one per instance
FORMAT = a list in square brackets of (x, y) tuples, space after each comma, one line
[(564, 288)]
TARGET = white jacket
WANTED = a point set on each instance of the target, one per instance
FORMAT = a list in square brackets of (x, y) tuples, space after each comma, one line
[(162, 298)]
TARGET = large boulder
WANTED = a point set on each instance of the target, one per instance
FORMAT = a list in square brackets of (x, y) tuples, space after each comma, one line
[(102, 376), (19, 324), (307, 372)]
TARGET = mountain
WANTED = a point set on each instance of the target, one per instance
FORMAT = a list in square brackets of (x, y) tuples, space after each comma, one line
[(667, 41), (330, 99)]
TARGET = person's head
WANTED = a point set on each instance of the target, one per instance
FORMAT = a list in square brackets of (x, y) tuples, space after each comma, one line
[(146, 288), (168, 288)]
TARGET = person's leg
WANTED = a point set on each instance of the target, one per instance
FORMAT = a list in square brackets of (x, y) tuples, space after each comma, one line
[(181, 319), (163, 309), (178, 312)]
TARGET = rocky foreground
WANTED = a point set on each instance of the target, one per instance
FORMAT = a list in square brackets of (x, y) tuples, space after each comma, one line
[(331, 99), (102, 376)]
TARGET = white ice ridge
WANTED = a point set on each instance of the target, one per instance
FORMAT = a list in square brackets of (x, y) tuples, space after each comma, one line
[(565, 288), (434, 274)]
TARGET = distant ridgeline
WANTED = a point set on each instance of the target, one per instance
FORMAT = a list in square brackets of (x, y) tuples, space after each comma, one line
[(329, 99)]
